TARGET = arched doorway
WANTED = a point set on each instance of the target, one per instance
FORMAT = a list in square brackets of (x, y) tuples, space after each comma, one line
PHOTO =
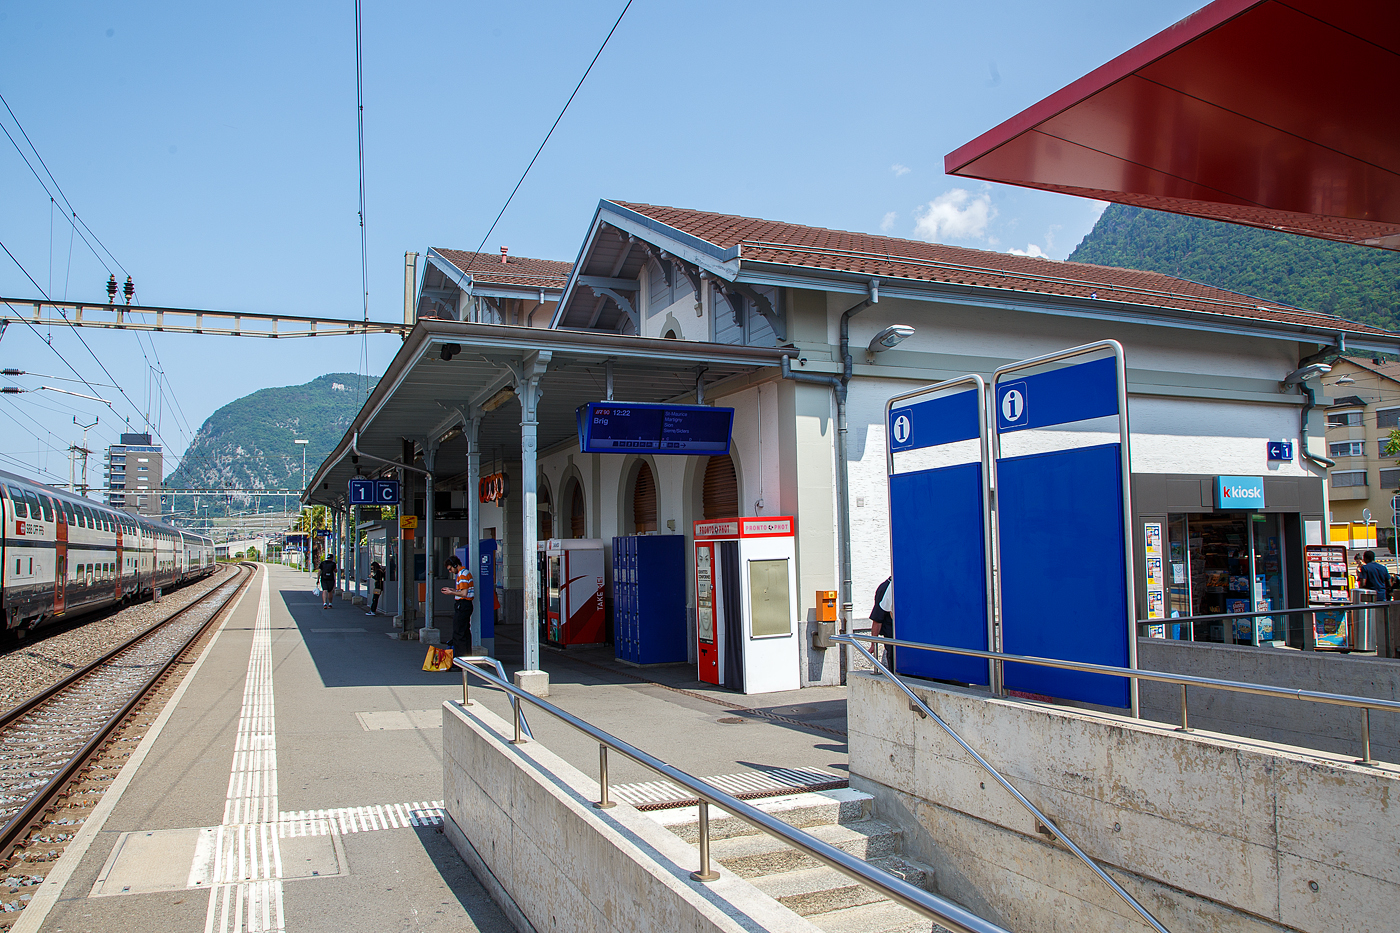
[(545, 528), (720, 496), (578, 516), (644, 500)]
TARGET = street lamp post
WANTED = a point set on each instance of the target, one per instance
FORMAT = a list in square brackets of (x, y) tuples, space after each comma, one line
[(303, 443)]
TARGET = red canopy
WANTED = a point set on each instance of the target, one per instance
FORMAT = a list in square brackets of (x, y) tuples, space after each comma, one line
[(1276, 114)]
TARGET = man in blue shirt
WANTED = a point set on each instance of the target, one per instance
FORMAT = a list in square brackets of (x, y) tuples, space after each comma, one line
[(1373, 576)]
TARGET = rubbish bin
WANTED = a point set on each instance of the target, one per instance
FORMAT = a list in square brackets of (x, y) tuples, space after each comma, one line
[(1361, 630)]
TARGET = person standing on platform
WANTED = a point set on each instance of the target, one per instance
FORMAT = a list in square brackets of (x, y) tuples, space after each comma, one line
[(882, 618), (326, 570), (1373, 576), (464, 589), (376, 583)]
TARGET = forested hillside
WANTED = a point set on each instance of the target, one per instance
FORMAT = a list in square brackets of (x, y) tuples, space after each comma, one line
[(249, 443), (1356, 282)]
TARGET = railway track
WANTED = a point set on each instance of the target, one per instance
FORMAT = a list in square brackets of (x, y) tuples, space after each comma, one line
[(46, 741)]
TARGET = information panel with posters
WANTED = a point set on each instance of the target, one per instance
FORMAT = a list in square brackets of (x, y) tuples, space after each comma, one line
[(1328, 585)]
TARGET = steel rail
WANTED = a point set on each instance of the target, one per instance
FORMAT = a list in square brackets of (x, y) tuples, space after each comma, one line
[(896, 889), (21, 822), (27, 705), (997, 776), (1189, 680)]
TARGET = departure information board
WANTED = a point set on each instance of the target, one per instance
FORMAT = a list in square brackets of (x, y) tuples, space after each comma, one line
[(636, 427)]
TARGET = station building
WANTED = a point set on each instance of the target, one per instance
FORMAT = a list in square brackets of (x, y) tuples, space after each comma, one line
[(806, 333)]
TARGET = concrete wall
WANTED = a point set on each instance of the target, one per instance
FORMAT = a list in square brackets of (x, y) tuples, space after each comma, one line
[(1208, 834), (1289, 722), (522, 819)]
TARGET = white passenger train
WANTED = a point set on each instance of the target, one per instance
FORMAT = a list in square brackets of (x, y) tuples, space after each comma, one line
[(62, 554)]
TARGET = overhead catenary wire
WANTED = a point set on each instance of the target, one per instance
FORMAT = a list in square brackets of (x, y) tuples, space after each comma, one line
[(477, 252), (364, 236)]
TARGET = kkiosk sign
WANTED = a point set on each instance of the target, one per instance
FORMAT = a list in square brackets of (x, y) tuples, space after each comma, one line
[(1239, 492), (1064, 544), (634, 427)]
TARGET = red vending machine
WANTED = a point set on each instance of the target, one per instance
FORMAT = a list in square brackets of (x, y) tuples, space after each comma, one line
[(572, 591)]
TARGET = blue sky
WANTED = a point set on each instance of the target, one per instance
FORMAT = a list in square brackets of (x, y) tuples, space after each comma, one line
[(212, 149)]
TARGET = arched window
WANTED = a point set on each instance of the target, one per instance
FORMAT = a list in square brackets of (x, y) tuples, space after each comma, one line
[(644, 500), (546, 518), (578, 522), (721, 493)]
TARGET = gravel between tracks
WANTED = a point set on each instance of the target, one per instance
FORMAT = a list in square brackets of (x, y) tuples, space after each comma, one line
[(26, 670)]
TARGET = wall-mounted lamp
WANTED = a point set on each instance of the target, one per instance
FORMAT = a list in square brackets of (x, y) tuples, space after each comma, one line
[(1344, 380), (449, 350), (891, 336)]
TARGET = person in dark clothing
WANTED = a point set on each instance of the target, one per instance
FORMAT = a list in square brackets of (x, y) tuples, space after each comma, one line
[(376, 584), (882, 619), (1373, 576), (326, 570), (464, 589)]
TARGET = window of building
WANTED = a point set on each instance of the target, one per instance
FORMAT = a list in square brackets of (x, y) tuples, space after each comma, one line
[(578, 520), (721, 488), (1380, 448), (1388, 418), (644, 500), (1390, 479), (1347, 449), (1349, 478), (1343, 419)]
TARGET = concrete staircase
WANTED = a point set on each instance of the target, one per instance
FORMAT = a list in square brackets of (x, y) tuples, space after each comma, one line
[(827, 898)]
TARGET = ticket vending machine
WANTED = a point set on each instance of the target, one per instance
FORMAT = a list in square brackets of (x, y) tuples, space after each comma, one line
[(571, 591), (746, 611)]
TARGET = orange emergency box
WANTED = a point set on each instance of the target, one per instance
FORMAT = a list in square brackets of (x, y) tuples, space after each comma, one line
[(826, 605)]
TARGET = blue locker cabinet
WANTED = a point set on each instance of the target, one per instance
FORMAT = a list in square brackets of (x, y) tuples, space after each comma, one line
[(649, 624)]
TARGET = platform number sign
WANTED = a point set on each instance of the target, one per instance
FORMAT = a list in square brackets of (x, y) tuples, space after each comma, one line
[(374, 492)]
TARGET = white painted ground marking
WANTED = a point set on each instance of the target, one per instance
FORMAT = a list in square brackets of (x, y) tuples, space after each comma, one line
[(745, 782), (246, 896)]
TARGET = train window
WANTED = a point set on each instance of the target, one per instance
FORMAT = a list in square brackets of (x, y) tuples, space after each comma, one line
[(21, 509), (17, 566), (31, 565), (48, 508), (34, 510), (85, 515), (67, 508)]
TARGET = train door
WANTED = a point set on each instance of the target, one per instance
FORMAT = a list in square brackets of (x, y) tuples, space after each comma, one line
[(60, 562), (119, 565)]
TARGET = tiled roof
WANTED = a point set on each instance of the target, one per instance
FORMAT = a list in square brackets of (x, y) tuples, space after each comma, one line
[(884, 257), (516, 270), (1390, 371)]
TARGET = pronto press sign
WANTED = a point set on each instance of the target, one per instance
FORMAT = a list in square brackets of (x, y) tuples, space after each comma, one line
[(1239, 492)]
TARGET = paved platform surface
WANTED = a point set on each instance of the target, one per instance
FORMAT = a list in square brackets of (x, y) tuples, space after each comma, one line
[(295, 785)]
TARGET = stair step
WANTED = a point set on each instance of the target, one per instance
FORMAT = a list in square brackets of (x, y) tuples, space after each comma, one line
[(754, 855), (882, 917), (813, 891), (804, 810)]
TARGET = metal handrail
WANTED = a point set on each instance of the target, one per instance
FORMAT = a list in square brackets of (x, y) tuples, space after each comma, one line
[(927, 711), (1365, 704), (896, 889)]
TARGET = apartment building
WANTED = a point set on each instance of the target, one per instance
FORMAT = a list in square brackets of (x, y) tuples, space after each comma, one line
[(134, 471), (1365, 410)]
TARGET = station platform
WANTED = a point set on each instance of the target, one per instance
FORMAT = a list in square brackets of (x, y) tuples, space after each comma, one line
[(294, 781)]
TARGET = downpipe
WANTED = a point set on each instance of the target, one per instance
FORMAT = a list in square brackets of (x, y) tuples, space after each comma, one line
[(840, 388)]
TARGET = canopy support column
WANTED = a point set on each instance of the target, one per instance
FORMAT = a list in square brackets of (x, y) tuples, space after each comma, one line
[(472, 426), (430, 449), (527, 387)]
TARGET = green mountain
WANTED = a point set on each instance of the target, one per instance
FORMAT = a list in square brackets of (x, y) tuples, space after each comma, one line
[(1360, 283), (249, 444)]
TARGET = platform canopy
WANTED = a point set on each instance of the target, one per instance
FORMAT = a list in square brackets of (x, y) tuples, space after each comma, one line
[(425, 398), (1274, 114)]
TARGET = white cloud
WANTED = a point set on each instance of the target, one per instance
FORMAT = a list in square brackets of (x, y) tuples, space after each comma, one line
[(957, 214), (1050, 235), (900, 170), (1030, 250), (887, 224)]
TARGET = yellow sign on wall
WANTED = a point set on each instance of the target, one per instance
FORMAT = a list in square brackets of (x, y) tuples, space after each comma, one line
[(407, 522)]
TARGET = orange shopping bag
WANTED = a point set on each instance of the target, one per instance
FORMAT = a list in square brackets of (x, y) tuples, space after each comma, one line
[(438, 659)]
